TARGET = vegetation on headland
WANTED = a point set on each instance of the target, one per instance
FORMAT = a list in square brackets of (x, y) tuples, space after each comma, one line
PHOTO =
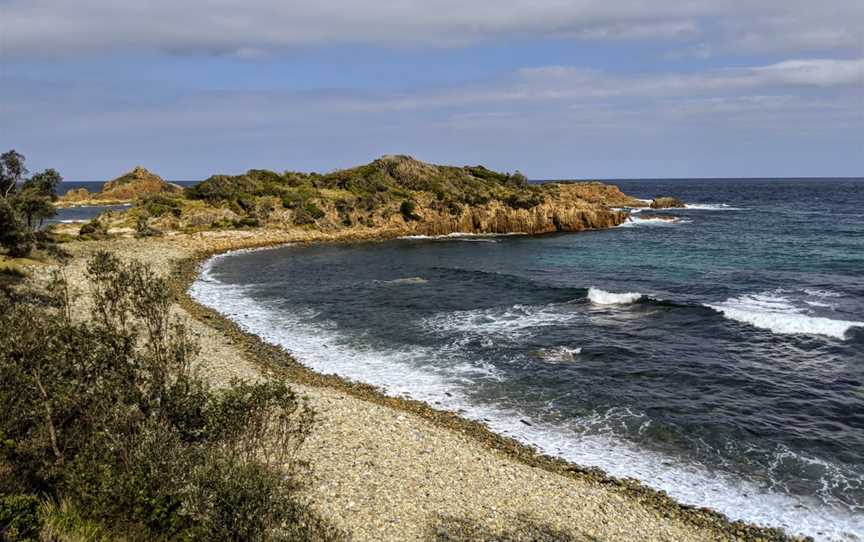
[(395, 193), (108, 433)]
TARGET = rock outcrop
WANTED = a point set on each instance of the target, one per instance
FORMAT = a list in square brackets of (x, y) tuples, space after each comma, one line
[(667, 202), (124, 189), (603, 194), (567, 212)]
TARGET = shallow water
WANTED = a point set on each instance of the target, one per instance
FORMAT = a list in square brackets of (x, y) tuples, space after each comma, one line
[(719, 357)]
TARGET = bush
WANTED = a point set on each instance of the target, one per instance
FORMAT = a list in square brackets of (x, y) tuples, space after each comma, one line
[(94, 228), (158, 205), (143, 228), (19, 519), (15, 237), (108, 417), (407, 209)]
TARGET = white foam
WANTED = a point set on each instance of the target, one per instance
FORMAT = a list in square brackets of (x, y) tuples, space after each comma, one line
[(822, 293), (711, 207), (602, 297), (510, 323), (560, 353), (442, 381), (460, 236), (633, 221), (778, 314)]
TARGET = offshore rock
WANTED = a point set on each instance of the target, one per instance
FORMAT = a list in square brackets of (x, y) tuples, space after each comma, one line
[(667, 202)]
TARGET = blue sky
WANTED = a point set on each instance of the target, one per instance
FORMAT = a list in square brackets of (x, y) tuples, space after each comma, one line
[(557, 89)]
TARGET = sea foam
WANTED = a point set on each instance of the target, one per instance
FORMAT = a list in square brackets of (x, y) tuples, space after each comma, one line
[(776, 313), (711, 207), (602, 297), (633, 221)]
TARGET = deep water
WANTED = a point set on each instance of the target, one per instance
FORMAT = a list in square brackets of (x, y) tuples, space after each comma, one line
[(719, 357)]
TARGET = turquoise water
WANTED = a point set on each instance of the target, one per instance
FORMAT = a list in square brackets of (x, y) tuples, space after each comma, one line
[(719, 357)]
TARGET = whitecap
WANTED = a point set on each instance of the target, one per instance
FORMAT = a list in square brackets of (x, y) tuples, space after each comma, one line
[(771, 311), (822, 293), (633, 221), (602, 297), (711, 207)]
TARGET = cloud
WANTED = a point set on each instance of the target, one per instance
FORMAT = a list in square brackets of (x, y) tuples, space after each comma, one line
[(256, 27)]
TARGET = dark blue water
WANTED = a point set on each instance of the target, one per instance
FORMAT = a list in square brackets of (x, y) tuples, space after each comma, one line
[(719, 357)]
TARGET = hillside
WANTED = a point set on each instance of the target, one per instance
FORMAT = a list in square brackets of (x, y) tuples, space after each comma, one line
[(393, 195), (124, 189)]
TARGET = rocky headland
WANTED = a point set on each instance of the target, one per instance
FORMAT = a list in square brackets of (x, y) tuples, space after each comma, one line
[(127, 188), (393, 196)]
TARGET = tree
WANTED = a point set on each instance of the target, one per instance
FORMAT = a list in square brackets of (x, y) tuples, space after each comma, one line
[(12, 170), (25, 206), (14, 236), (36, 198), (518, 179)]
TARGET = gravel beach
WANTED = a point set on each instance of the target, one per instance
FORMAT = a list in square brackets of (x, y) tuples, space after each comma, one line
[(392, 469)]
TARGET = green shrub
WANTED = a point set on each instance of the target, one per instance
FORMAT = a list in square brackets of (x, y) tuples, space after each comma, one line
[(407, 209), (108, 417), (246, 222), (523, 200), (94, 228), (143, 228), (19, 520), (15, 237), (158, 205)]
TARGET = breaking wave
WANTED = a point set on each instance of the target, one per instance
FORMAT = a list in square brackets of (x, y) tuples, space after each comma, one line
[(633, 221), (776, 313), (602, 297)]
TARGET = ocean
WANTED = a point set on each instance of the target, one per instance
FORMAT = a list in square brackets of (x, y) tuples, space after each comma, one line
[(719, 357)]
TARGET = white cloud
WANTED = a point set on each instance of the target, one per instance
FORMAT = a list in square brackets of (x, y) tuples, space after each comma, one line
[(255, 27)]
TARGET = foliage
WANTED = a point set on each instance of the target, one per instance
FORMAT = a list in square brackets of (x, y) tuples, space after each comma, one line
[(18, 517), (15, 237), (158, 205), (108, 417), (95, 228), (408, 208), (375, 188), (12, 171), (25, 206), (63, 522)]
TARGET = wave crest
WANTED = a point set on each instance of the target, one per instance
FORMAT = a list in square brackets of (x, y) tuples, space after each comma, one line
[(778, 315), (602, 297)]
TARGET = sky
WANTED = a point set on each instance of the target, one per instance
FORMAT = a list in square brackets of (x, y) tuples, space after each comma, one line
[(555, 88)]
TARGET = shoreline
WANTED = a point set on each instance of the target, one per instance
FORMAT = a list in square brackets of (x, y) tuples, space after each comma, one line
[(187, 271), (185, 255)]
